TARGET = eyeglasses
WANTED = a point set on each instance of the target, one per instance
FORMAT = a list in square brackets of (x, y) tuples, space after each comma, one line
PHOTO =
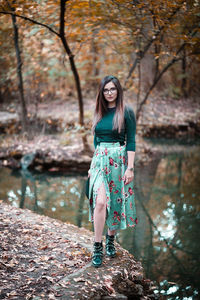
[(112, 91)]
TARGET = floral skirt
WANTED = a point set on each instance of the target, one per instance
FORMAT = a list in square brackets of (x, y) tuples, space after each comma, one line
[(108, 166)]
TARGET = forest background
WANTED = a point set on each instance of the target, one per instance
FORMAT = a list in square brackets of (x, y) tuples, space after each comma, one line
[(53, 55), (53, 51)]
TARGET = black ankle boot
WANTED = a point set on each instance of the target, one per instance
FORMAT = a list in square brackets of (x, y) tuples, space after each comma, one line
[(110, 247), (97, 254)]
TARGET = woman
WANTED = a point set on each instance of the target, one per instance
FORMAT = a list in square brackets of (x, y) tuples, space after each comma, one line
[(111, 171)]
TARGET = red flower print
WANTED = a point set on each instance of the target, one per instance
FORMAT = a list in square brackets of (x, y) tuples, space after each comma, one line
[(131, 205), (123, 215), (110, 188), (115, 223), (118, 218), (115, 192), (106, 151), (115, 212), (116, 165), (119, 200), (136, 220), (130, 191), (124, 160), (131, 219), (111, 161), (111, 183), (107, 171)]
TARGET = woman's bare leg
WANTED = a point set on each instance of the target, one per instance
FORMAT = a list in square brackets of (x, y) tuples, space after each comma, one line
[(100, 214), (111, 232)]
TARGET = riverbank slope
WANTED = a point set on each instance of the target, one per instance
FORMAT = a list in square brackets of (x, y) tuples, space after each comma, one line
[(43, 258)]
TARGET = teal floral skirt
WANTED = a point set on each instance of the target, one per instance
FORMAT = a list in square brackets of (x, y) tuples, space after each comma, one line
[(108, 166)]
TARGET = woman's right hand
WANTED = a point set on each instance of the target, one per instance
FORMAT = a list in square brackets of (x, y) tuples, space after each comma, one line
[(89, 173)]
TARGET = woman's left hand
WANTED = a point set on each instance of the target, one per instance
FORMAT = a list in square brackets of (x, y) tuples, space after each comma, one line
[(128, 176)]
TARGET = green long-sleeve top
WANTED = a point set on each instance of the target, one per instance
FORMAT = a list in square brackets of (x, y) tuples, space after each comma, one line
[(105, 133)]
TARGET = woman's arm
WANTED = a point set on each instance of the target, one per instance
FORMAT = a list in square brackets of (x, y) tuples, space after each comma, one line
[(130, 124), (131, 158), (95, 141), (95, 145), (129, 173), (130, 128)]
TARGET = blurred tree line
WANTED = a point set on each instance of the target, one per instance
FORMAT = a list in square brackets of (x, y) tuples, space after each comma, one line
[(62, 48)]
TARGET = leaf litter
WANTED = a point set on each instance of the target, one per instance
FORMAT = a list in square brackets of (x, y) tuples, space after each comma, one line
[(43, 258), (34, 256)]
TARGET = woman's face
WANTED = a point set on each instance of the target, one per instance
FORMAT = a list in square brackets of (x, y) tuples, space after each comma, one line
[(110, 94)]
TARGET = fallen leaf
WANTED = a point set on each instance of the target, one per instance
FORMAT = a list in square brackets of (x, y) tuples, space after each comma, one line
[(79, 279), (43, 248)]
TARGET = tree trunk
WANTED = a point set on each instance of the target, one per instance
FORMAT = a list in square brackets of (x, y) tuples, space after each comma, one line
[(184, 80), (20, 77), (167, 66), (139, 86), (71, 60), (74, 70), (94, 55), (149, 43), (61, 36), (156, 80)]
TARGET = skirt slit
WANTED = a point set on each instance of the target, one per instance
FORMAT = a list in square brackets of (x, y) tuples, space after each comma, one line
[(94, 190), (108, 165)]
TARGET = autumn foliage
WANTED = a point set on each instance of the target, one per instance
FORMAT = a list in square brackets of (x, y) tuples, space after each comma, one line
[(68, 46)]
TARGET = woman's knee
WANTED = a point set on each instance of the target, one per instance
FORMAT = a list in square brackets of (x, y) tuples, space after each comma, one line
[(101, 198), (100, 204)]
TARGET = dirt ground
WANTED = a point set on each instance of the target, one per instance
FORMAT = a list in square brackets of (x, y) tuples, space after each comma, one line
[(42, 258)]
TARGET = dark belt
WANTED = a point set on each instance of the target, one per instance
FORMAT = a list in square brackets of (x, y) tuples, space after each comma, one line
[(121, 143)]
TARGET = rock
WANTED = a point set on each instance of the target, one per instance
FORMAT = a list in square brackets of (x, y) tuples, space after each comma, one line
[(11, 163), (9, 122), (27, 160), (115, 297), (44, 158), (170, 118), (55, 258)]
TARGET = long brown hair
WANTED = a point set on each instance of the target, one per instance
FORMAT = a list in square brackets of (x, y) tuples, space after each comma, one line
[(102, 104)]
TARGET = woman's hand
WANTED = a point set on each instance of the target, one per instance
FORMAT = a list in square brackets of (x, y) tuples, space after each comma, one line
[(128, 176), (89, 173)]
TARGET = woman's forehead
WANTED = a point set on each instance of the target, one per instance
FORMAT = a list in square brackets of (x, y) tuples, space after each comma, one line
[(109, 85)]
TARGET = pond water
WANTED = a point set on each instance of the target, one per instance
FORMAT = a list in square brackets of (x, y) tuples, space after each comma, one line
[(167, 190)]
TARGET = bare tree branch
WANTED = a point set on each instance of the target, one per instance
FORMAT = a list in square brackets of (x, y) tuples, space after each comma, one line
[(30, 20), (167, 66), (141, 54)]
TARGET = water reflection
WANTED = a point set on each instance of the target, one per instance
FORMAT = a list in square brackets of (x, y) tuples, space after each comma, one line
[(167, 199), (60, 197), (169, 246)]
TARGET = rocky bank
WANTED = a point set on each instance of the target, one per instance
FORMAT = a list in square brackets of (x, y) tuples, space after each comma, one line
[(43, 258)]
